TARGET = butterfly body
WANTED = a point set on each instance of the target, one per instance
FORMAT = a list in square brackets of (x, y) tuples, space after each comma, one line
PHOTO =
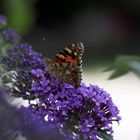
[(67, 65)]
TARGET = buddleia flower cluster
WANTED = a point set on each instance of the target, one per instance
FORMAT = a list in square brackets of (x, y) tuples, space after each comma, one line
[(84, 113)]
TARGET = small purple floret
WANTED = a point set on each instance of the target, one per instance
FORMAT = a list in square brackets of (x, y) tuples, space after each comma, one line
[(3, 21), (10, 35)]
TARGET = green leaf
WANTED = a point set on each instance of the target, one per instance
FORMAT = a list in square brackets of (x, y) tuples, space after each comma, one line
[(21, 14), (104, 135), (109, 68), (124, 64), (120, 68), (135, 67)]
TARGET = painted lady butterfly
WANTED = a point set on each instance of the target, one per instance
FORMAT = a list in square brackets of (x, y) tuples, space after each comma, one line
[(67, 65)]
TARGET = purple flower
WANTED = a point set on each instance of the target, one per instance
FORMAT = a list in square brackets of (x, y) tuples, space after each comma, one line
[(33, 126), (10, 35), (22, 85), (86, 110), (3, 21), (23, 121), (22, 57)]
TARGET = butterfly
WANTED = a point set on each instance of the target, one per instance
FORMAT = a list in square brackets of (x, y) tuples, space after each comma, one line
[(67, 64)]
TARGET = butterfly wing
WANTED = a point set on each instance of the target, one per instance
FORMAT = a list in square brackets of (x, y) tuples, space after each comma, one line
[(67, 65)]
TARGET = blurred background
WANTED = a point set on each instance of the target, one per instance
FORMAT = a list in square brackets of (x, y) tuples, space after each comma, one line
[(107, 29)]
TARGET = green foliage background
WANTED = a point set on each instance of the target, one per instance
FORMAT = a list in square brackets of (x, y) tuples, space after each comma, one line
[(21, 14)]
